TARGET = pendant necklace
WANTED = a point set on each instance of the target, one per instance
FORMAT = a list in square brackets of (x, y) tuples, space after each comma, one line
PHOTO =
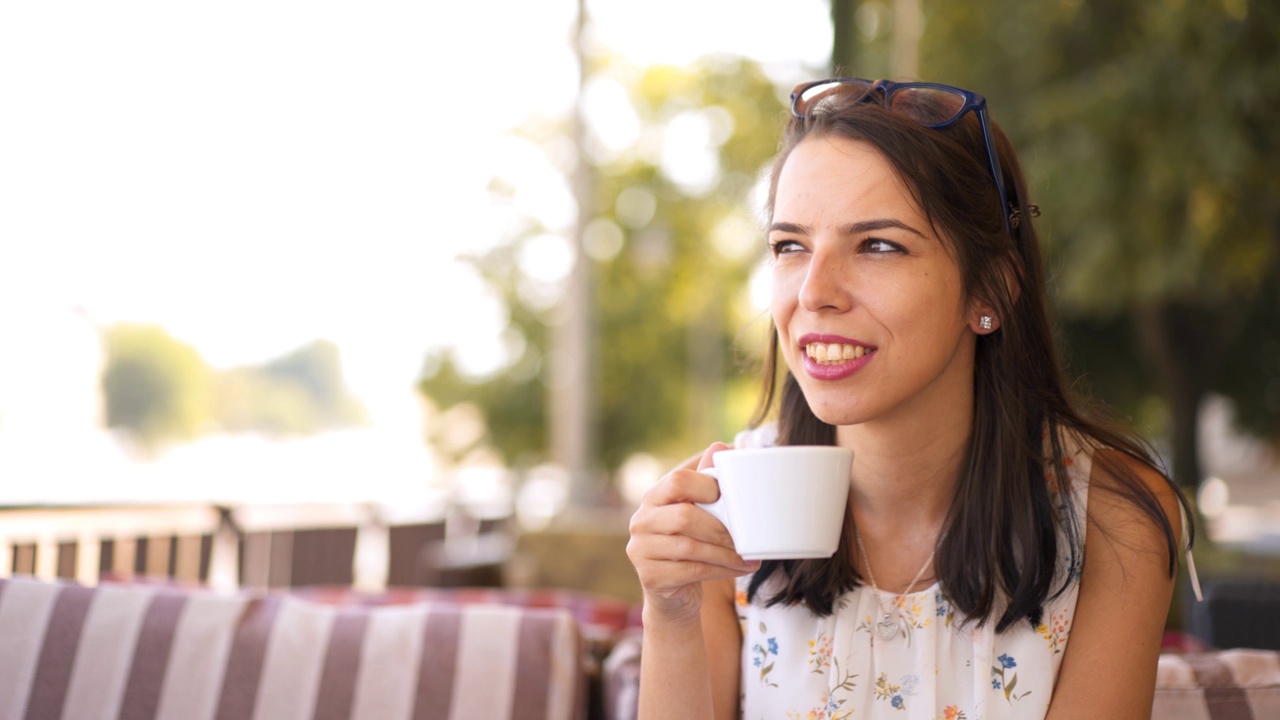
[(888, 626)]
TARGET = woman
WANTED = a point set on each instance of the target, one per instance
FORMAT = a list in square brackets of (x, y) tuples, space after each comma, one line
[(1005, 553)]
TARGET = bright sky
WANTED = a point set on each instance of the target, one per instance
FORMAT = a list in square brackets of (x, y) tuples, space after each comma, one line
[(255, 174)]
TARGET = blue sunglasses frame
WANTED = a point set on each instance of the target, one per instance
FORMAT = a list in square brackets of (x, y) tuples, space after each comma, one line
[(806, 95)]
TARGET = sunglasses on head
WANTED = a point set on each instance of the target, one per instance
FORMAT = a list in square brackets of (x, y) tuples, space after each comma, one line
[(930, 104)]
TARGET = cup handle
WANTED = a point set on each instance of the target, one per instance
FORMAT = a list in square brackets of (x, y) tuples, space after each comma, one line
[(717, 508)]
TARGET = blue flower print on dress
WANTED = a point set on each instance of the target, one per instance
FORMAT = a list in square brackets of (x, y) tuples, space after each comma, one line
[(1001, 680), (765, 655), (944, 609)]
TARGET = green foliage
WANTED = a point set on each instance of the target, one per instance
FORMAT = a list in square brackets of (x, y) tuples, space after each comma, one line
[(1250, 373), (155, 386), (160, 390), (514, 402), (667, 302), (301, 392), (1150, 132)]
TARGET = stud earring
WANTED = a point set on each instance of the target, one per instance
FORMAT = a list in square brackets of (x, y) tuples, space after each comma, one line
[(986, 322)]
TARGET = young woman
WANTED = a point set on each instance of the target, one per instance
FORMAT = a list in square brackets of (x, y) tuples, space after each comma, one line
[(1006, 554)]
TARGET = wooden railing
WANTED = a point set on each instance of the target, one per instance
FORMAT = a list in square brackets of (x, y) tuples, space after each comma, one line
[(250, 545)]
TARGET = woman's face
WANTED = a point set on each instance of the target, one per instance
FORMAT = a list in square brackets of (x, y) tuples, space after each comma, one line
[(867, 299)]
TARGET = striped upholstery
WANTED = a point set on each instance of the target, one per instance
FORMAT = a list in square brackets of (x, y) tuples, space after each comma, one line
[(146, 651), (1221, 685), (600, 617)]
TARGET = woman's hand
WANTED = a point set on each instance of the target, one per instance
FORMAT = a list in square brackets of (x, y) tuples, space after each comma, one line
[(676, 545)]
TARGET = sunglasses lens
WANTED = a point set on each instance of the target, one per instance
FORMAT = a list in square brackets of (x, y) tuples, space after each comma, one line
[(805, 99), (927, 105)]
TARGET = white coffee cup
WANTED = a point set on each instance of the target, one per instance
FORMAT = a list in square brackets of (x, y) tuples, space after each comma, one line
[(782, 503)]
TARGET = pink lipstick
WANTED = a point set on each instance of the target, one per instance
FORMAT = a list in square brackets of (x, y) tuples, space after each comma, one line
[(833, 357)]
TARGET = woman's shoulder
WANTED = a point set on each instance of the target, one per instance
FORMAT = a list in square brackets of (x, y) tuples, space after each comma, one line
[(1124, 491), (1087, 461)]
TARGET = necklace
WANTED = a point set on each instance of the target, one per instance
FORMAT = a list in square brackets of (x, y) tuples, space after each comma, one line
[(888, 625)]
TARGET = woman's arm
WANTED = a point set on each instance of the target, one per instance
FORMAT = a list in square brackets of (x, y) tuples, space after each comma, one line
[(692, 671), (686, 564), (1109, 666), (722, 636)]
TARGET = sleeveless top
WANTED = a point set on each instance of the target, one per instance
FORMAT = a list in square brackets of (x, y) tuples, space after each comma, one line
[(802, 666)]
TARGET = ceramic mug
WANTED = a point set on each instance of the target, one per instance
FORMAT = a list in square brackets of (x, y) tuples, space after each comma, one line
[(782, 503)]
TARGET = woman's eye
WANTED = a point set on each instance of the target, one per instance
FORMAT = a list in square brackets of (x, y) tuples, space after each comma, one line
[(875, 245), (784, 247)]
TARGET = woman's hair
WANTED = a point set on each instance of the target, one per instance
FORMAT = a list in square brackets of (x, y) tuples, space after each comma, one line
[(999, 541)]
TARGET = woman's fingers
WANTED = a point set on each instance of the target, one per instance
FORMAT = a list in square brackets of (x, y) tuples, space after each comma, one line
[(676, 545), (706, 460), (682, 486), (682, 519), (667, 564)]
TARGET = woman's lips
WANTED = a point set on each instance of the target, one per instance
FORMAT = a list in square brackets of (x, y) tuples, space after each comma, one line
[(832, 357)]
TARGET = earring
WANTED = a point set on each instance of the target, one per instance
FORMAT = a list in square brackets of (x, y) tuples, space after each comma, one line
[(986, 322)]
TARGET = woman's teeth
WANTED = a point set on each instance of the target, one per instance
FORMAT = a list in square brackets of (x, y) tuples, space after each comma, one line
[(835, 353)]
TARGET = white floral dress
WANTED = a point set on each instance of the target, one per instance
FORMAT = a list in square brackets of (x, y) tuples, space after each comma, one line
[(800, 665)]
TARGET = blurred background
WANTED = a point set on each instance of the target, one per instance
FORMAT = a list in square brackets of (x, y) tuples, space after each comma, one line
[(424, 293)]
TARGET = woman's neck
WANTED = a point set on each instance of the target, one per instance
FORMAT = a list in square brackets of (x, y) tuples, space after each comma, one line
[(905, 477)]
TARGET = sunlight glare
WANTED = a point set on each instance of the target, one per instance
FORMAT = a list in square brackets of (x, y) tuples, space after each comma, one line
[(611, 118), (688, 156)]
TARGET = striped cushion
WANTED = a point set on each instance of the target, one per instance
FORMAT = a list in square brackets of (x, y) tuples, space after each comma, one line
[(1221, 685), (596, 614), (139, 651)]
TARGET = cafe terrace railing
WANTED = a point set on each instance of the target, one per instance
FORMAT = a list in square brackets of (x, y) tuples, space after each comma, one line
[(252, 545)]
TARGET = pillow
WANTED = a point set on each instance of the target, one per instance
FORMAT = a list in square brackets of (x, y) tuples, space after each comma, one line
[(1221, 685), (140, 651)]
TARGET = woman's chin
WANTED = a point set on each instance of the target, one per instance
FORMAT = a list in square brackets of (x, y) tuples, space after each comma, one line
[(835, 415)]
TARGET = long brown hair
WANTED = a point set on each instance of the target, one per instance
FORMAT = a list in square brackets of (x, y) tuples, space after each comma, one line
[(1000, 538)]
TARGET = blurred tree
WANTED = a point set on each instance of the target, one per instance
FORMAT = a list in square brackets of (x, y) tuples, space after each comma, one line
[(160, 390), (155, 387), (300, 392), (671, 245), (1150, 132)]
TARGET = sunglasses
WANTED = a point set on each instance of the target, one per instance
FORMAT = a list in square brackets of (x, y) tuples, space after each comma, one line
[(930, 104)]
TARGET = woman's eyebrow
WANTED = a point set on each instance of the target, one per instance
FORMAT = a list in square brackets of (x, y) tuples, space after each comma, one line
[(865, 226), (856, 228), (790, 227)]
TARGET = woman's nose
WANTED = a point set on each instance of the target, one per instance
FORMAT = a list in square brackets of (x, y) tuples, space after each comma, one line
[(825, 285)]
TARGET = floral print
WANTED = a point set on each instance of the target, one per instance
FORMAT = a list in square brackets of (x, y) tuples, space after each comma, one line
[(944, 609), (762, 653), (896, 693), (828, 708), (820, 653), (1003, 680), (1056, 631), (912, 611)]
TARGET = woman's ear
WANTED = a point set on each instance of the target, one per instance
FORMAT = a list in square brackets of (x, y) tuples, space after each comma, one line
[(983, 320)]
